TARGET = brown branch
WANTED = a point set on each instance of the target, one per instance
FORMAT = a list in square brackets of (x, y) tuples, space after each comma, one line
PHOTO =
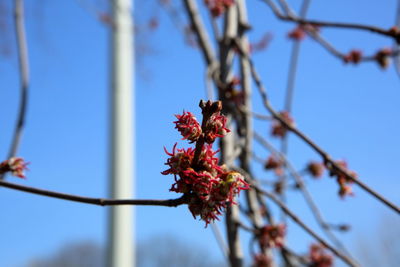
[(199, 28), (24, 77), (318, 38), (340, 55), (397, 45), (245, 125), (299, 222), (294, 57), (355, 26), (96, 201), (306, 194), (325, 156)]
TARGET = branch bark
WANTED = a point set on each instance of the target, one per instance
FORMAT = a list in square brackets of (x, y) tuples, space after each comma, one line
[(96, 201), (24, 77)]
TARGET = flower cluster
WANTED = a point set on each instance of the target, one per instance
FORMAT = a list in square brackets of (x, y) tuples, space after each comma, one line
[(343, 181), (207, 185), (272, 236), (15, 165), (278, 129), (188, 126), (300, 32), (274, 163), (394, 31), (315, 169), (262, 260), (218, 7), (215, 127), (232, 93), (354, 56), (319, 257), (382, 57)]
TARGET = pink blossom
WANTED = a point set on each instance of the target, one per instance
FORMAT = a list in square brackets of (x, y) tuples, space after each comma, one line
[(319, 257), (215, 127), (15, 165), (218, 7), (382, 57), (278, 129), (272, 236), (262, 260), (354, 56), (274, 163), (188, 126), (316, 169), (297, 34), (343, 181)]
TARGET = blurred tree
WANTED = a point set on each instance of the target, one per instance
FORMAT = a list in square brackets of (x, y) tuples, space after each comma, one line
[(159, 251)]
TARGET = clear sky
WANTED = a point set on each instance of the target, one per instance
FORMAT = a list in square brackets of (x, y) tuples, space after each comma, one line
[(351, 111)]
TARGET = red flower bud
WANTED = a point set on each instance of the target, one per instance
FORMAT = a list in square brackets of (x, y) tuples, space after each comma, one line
[(188, 126), (278, 129), (15, 165), (319, 257), (316, 169), (272, 236), (354, 56), (382, 57)]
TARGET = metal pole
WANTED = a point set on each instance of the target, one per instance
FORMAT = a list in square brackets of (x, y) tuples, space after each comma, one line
[(121, 247)]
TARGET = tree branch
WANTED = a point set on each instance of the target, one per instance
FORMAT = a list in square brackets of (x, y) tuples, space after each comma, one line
[(354, 26), (331, 164), (198, 27), (306, 194), (24, 77), (97, 201), (299, 222)]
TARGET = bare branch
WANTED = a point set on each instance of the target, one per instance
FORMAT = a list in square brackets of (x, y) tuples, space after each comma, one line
[(24, 77), (297, 220), (97, 201), (306, 194), (354, 26), (201, 33), (331, 164)]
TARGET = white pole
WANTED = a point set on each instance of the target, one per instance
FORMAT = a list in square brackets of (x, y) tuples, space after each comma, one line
[(121, 218)]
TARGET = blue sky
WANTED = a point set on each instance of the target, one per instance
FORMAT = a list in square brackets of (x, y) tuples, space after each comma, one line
[(351, 111)]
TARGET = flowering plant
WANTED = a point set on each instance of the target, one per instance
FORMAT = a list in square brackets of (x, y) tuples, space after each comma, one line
[(15, 165), (208, 186)]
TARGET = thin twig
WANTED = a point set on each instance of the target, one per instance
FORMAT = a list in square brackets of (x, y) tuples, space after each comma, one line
[(199, 28), (355, 26), (396, 45), (294, 57), (220, 240), (297, 220), (331, 164), (96, 201), (24, 77), (306, 194)]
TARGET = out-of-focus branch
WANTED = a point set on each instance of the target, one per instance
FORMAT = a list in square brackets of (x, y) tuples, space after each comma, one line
[(306, 194), (355, 26), (24, 77), (290, 85), (199, 28), (227, 144), (294, 57), (96, 201), (397, 45), (299, 222), (245, 127), (340, 55), (220, 240), (329, 162)]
